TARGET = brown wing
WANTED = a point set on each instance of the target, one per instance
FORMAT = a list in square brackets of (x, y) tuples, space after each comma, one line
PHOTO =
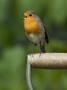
[(44, 29)]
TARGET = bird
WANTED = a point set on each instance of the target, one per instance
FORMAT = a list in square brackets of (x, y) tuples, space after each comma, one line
[(35, 30)]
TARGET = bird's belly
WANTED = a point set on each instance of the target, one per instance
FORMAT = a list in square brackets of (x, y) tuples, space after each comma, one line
[(35, 38)]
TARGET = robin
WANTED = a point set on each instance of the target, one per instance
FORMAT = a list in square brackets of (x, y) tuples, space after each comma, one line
[(35, 30)]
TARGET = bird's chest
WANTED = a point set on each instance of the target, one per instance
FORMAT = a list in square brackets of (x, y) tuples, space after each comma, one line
[(32, 27)]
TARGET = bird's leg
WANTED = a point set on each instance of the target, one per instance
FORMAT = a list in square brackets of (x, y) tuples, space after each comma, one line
[(33, 49), (32, 52), (40, 49)]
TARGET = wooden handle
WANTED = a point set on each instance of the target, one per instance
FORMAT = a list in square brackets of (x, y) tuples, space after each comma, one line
[(48, 60)]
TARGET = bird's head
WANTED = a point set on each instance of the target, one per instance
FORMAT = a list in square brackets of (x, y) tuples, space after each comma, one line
[(29, 14)]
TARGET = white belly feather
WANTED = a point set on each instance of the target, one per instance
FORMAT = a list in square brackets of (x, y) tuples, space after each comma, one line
[(35, 38)]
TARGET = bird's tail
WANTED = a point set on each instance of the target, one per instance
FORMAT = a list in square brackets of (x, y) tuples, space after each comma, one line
[(42, 48)]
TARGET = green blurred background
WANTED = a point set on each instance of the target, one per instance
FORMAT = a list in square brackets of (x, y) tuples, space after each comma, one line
[(14, 46)]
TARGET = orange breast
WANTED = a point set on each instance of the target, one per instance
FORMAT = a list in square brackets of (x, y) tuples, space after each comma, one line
[(31, 26)]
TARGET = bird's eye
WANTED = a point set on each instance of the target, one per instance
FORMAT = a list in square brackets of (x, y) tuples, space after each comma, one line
[(25, 16), (30, 14)]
